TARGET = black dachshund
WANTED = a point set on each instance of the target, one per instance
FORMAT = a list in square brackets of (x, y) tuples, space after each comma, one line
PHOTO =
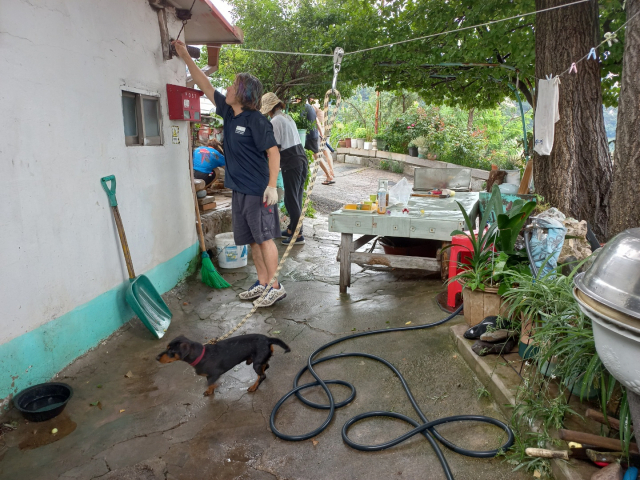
[(211, 361)]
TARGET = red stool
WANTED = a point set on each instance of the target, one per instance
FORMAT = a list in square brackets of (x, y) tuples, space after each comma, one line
[(459, 252)]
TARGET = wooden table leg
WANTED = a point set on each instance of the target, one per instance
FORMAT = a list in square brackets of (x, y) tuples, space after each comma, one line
[(345, 261)]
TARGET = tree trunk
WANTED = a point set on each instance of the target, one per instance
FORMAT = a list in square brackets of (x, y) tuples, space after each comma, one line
[(470, 120), (625, 210), (576, 177)]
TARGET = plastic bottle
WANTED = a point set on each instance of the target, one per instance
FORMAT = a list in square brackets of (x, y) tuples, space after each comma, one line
[(382, 199), (384, 184)]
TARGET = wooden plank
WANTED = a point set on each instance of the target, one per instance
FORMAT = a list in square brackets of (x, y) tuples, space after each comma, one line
[(208, 206), (165, 38), (364, 239), (345, 261), (396, 261), (526, 178)]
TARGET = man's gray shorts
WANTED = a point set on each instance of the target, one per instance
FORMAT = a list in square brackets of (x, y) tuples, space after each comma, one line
[(252, 221)]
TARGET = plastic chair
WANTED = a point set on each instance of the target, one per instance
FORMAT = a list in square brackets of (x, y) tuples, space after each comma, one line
[(459, 252)]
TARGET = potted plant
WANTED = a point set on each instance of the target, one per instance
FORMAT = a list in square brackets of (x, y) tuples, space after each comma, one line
[(303, 124), (423, 146), (360, 134), (381, 140), (368, 139), (493, 257)]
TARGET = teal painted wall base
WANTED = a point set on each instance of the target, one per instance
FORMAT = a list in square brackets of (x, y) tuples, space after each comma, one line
[(38, 355)]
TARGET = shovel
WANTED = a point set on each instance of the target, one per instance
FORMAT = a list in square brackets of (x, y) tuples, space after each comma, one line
[(141, 295)]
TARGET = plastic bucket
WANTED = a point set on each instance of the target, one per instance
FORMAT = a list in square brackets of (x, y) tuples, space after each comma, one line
[(229, 254)]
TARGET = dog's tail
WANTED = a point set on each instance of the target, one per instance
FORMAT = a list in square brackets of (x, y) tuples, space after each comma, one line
[(280, 343)]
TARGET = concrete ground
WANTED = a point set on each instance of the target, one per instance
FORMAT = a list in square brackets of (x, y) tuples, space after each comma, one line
[(354, 183), (134, 418)]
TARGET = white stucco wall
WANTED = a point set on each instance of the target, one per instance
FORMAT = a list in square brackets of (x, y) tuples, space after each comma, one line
[(63, 63)]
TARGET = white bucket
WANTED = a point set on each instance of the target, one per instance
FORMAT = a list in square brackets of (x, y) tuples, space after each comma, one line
[(229, 254)]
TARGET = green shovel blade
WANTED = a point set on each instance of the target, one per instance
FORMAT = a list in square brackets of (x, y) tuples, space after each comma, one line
[(148, 305)]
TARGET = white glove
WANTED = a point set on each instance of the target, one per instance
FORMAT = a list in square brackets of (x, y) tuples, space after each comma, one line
[(270, 196)]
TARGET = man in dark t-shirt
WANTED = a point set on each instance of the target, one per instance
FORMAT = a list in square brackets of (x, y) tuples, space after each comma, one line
[(252, 165)]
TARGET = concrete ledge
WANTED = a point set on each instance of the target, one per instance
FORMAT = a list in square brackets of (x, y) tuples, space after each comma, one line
[(215, 222), (353, 159), (359, 156), (494, 379), (501, 394)]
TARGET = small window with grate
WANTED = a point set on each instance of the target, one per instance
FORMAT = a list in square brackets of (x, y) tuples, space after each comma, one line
[(142, 121)]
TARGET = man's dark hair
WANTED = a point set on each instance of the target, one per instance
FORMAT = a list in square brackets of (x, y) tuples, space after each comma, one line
[(248, 91)]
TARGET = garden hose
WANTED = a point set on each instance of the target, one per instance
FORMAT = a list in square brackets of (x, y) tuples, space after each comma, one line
[(426, 427)]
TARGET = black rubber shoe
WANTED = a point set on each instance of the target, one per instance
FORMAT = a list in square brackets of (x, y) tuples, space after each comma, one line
[(474, 332)]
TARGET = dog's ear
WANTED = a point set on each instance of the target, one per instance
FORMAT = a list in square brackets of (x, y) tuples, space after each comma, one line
[(185, 349)]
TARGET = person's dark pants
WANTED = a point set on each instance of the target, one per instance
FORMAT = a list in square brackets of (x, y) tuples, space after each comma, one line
[(207, 177), (293, 180)]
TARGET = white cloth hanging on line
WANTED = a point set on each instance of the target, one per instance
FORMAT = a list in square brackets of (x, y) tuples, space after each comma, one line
[(547, 114)]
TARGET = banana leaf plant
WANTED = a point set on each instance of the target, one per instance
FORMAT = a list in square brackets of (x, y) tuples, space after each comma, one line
[(479, 271), (493, 250)]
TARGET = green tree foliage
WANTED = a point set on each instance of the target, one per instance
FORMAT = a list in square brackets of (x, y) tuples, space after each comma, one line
[(506, 49)]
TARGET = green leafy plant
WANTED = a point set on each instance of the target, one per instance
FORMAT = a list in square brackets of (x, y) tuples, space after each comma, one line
[(299, 115), (420, 142), (480, 270), (360, 132)]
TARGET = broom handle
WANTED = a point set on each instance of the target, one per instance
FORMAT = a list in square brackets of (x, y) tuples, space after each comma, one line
[(203, 247)]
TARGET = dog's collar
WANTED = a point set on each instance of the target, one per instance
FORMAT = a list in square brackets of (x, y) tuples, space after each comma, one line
[(197, 360)]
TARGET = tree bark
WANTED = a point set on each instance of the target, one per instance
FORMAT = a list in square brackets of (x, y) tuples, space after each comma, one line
[(625, 209), (576, 177), (470, 119)]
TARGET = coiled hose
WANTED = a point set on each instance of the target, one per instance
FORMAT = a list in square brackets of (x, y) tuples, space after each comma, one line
[(426, 428)]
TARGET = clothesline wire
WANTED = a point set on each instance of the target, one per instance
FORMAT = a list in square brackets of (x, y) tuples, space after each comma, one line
[(599, 45), (492, 22)]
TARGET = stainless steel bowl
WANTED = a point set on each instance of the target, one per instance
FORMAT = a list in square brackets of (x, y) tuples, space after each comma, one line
[(614, 277)]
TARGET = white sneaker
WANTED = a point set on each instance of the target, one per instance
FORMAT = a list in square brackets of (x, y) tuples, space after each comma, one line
[(254, 291), (274, 295)]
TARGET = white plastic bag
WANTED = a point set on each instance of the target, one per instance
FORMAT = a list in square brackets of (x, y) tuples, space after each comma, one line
[(400, 192)]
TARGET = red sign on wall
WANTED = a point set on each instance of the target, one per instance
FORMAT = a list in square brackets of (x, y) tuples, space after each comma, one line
[(184, 103)]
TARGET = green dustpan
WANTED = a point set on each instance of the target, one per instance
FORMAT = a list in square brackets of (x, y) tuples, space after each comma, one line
[(141, 296)]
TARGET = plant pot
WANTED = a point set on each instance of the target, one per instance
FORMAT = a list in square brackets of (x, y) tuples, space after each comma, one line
[(382, 145), (347, 142), (480, 304), (413, 151), (422, 152), (527, 327), (575, 386), (359, 142), (303, 136), (367, 145), (343, 144)]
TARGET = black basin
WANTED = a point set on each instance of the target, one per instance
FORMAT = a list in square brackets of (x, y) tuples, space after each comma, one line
[(44, 401)]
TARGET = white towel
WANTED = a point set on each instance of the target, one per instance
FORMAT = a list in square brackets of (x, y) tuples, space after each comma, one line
[(547, 115)]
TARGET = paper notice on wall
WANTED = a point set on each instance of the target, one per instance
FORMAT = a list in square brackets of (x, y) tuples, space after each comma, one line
[(175, 134)]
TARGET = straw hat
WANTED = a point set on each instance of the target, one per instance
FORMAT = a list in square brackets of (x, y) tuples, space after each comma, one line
[(269, 101)]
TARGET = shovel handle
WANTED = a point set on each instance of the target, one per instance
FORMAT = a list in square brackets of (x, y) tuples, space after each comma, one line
[(111, 190)]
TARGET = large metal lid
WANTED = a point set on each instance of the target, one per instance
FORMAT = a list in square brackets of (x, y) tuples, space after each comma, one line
[(614, 277)]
